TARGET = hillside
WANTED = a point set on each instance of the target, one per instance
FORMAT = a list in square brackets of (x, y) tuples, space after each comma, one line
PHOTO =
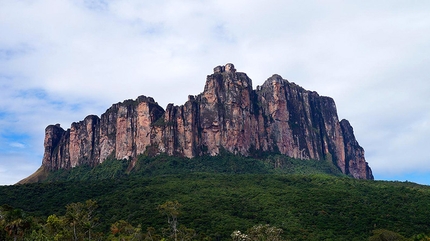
[(226, 163), (307, 206)]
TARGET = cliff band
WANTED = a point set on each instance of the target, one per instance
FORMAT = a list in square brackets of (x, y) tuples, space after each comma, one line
[(229, 115)]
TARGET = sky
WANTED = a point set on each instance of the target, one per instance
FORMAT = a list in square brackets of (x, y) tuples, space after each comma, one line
[(63, 60)]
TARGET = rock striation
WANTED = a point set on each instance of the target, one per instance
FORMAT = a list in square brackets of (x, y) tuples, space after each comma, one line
[(229, 115)]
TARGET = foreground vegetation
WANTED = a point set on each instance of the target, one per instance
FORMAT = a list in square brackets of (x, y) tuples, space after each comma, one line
[(305, 205)]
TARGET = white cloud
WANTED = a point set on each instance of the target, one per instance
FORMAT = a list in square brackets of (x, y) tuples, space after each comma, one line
[(63, 60), (17, 145)]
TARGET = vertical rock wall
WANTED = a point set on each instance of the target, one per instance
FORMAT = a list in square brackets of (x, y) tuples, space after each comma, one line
[(229, 115)]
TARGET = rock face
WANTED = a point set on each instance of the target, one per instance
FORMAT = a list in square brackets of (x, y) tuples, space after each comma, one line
[(228, 115)]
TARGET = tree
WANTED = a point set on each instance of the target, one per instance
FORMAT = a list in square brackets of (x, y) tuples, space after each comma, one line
[(81, 217), (421, 237), (38, 235), (15, 222), (2, 223), (385, 235), (171, 210), (239, 236), (56, 227), (259, 233), (151, 234), (186, 234), (123, 231)]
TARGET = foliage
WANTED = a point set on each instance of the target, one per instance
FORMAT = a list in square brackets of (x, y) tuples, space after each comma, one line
[(109, 169), (78, 222), (122, 230), (81, 218), (148, 165), (217, 195), (14, 223), (171, 210), (258, 233), (306, 207), (386, 235)]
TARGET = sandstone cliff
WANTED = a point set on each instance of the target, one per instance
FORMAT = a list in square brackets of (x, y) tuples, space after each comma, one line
[(229, 114)]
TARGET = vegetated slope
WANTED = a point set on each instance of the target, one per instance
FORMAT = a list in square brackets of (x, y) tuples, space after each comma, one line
[(306, 207), (226, 163)]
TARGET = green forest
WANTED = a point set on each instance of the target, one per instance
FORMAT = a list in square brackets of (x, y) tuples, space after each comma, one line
[(213, 198)]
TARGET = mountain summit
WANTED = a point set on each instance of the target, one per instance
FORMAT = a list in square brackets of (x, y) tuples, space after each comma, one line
[(229, 115)]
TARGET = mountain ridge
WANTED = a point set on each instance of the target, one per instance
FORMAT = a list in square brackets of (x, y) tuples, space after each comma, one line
[(278, 116)]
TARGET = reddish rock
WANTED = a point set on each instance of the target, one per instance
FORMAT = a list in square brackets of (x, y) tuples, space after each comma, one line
[(278, 116), (357, 166)]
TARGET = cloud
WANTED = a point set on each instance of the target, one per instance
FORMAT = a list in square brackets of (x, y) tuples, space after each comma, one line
[(63, 60), (17, 145)]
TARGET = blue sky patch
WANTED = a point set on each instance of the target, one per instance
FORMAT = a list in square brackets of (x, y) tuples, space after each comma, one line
[(12, 141)]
